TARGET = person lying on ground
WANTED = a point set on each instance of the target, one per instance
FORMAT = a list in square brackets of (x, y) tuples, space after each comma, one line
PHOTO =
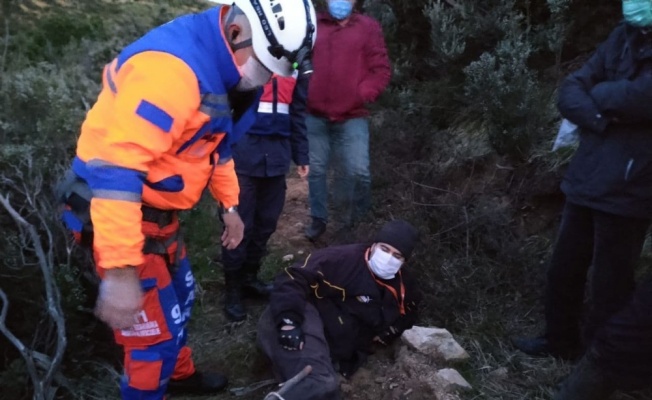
[(328, 311)]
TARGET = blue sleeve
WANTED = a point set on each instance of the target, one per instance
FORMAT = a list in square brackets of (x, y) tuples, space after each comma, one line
[(239, 129), (575, 102), (629, 101), (298, 136)]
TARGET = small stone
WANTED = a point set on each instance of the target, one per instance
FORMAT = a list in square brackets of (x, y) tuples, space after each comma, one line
[(379, 379), (301, 252), (393, 385), (452, 380), (436, 343), (288, 257)]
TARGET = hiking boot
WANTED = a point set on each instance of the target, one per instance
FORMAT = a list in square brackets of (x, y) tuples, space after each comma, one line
[(198, 383), (543, 347), (316, 229), (255, 288), (233, 306), (586, 382)]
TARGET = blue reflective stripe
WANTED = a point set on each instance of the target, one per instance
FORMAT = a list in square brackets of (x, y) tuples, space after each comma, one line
[(155, 115), (117, 195), (224, 149), (145, 355), (109, 79), (72, 222), (200, 134), (148, 283), (215, 105), (171, 184), (79, 168), (115, 178)]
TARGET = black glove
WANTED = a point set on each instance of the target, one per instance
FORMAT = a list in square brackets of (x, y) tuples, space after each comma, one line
[(387, 336), (291, 339)]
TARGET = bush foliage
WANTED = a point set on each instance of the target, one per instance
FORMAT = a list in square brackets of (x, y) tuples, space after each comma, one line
[(460, 144)]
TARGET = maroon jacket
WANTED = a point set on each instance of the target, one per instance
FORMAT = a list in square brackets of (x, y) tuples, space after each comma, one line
[(351, 67)]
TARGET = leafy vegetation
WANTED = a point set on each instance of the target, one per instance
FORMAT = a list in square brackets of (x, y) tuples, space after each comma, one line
[(460, 146)]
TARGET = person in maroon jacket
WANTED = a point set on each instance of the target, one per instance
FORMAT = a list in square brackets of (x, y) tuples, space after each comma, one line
[(328, 311), (351, 70)]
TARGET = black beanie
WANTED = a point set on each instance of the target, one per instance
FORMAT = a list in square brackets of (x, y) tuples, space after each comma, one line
[(399, 234)]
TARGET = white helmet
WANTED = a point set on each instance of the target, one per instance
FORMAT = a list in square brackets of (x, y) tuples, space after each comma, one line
[(283, 32)]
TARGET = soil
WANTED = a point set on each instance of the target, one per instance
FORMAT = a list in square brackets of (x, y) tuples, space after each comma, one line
[(379, 379), (295, 217)]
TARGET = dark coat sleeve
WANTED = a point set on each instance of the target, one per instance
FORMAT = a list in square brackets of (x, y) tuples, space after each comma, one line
[(298, 131), (291, 290), (378, 67), (293, 287), (627, 100), (575, 102), (412, 302)]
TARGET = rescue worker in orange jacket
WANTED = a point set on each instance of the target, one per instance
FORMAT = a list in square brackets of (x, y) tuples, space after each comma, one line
[(161, 131)]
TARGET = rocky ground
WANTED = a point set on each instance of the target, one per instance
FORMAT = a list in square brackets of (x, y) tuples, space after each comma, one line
[(402, 371)]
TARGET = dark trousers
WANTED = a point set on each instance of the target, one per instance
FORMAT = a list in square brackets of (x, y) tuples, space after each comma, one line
[(261, 203), (623, 346), (323, 382), (620, 356), (608, 243)]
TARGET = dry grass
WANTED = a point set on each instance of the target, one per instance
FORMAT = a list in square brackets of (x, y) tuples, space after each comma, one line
[(487, 229)]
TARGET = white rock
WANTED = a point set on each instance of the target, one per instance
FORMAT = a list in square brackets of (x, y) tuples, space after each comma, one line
[(436, 343), (452, 380), (419, 366), (288, 258)]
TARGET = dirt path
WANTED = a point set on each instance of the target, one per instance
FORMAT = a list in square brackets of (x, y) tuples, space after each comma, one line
[(289, 233)]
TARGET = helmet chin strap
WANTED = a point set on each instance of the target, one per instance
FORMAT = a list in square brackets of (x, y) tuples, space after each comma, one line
[(242, 45), (233, 13)]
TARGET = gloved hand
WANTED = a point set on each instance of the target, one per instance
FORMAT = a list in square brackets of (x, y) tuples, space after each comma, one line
[(290, 335), (387, 336)]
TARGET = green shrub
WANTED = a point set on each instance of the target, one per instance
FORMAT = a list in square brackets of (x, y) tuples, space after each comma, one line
[(46, 40)]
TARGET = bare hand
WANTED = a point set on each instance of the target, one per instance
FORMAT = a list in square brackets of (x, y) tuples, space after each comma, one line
[(233, 230), (120, 298), (303, 171)]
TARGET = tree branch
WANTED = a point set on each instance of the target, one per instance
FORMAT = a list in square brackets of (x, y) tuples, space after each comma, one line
[(289, 384), (42, 386), (24, 351)]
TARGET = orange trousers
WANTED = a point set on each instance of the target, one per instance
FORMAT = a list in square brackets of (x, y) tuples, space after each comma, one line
[(155, 347)]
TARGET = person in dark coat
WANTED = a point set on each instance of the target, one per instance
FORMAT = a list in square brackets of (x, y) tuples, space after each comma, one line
[(328, 311), (608, 187), (620, 356), (262, 160)]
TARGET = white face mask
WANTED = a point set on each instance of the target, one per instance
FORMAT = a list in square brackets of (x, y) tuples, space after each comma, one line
[(254, 75), (384, 265)]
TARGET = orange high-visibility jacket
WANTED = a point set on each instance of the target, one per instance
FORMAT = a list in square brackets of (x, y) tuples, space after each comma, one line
[(160, 132)]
